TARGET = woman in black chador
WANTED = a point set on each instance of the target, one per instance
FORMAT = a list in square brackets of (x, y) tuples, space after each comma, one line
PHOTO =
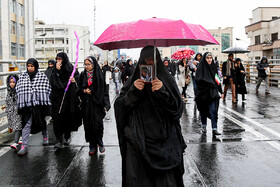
[(207, 93), (69, 119), (240, 86), (149, 129), (95, 101)]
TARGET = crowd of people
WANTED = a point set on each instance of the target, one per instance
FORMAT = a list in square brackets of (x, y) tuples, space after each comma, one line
[(151, 154)]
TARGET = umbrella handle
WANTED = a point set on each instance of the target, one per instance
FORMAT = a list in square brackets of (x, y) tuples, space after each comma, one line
[(155, 61)]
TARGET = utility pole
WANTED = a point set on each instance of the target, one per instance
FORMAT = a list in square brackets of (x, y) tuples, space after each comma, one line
[(94, 19)]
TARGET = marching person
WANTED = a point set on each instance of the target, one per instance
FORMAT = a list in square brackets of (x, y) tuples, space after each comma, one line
[(66, 112), (148, 123), (14, 119), (228, 71), (51, 66), (262, 76), (33, 92), (107, 72), (193, 67), (95, 103), (240, 79), (184, 78), (207, 93), (117, 79)]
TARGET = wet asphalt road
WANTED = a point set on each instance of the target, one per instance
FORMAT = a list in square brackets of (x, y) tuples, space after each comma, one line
[(246, 154)]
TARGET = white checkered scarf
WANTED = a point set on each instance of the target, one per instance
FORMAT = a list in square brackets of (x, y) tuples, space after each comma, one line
[(37, 93)]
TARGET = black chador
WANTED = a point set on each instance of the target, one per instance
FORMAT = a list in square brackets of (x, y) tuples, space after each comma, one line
[(149, 130), (94, 104), (69, 119)]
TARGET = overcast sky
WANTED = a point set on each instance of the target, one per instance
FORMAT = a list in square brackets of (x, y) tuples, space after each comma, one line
[(211, 14)]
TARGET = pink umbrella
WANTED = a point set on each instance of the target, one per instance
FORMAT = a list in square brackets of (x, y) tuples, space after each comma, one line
[(154, 31), (182, 53)]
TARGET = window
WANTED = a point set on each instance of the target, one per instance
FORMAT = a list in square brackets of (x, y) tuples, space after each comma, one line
[(21, 10), (13, 6), (13, 27), (274, 37), (13, 49), (257, 40), (21, 30), (216, 49), (59, 31), (225, 41), (21, 51)]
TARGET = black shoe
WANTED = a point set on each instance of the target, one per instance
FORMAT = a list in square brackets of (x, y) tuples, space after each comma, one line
[(215, 132), (267, 92)]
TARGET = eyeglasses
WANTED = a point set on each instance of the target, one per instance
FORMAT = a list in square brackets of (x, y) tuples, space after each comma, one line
[(86, 65)]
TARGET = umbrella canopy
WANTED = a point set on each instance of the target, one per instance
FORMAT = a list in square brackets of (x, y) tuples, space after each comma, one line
[(182, 53), (154, 31), (235, 50)]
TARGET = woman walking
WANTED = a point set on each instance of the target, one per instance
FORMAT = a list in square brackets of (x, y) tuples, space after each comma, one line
[(148, 122), (240, 79), (95, 102), (66, 112), (207, 93), (184, 78), (33, 91)]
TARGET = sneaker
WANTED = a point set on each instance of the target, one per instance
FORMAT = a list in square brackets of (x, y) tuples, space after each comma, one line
[(215, 132), (204, 129), (20, 142), (101, 149), (23, 150), (14, 146), (58, 144), (45, 141), (92, 151)]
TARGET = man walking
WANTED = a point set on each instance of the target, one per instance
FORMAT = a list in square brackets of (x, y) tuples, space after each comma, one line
[(261, 67), (229, 76)]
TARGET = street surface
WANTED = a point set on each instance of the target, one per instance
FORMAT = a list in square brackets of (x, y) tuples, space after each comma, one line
[(246, 154)]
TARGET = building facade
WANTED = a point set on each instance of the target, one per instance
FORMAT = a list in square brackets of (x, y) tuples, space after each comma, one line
[(223, 36), (51, 39), (263, 31), (17, 29)]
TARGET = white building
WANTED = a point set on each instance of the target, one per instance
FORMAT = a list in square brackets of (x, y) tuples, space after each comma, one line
[(51, 39), (263, 31)]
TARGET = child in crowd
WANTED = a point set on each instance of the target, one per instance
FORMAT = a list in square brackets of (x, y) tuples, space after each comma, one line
[(117, 79), (14, 119)]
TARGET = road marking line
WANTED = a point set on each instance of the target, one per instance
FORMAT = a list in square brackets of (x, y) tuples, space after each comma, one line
[(251, 130), (4, 150), (253, 121), (4, 131)]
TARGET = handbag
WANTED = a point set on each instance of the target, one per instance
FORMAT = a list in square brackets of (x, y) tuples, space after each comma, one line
[(267, 71), (188, 80)]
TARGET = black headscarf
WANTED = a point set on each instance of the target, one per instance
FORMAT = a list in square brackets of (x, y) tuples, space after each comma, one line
[(205, 72), (263, 58), (35, 63), (12, 91), (49, 70), (195, 58), (98, 83), (66, 68)]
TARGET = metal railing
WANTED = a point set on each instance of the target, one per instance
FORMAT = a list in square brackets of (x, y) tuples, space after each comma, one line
[(252, 72)]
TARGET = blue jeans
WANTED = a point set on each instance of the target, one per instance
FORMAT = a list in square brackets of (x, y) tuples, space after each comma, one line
[(213, 116)]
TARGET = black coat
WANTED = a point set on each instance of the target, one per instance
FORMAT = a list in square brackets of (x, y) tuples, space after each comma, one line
[(260, 67), (240, 80)]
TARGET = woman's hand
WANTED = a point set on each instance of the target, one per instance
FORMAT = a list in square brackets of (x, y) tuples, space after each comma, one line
[(156, 84), (222, 96), (139, 84), (88, 91), (72, 79)]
